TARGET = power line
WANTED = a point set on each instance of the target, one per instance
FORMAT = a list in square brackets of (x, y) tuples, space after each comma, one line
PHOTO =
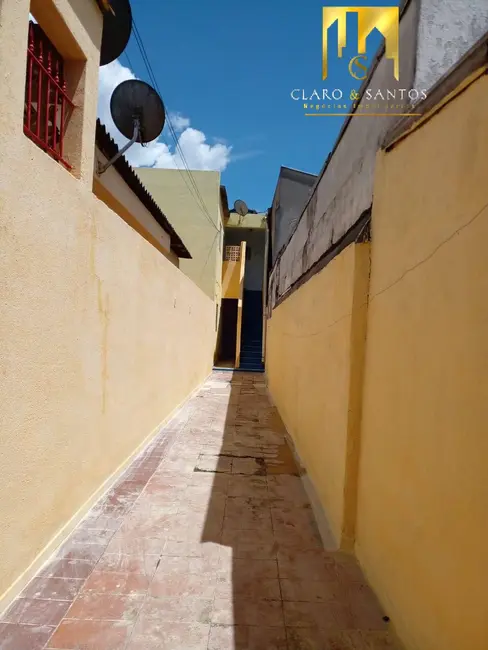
[(171, 129), (197, 195), (128, 59)]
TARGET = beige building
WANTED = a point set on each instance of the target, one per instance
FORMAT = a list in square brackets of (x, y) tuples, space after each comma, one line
[(102, 335), (198, 216)]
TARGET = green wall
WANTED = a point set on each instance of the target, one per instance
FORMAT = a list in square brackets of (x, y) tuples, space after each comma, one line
[(170, 188)]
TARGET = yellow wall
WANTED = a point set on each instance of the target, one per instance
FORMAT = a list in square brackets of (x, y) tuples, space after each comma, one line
[(172, 189), (231, 275), (102, 337), (423, 490), (111, 188), (421, 483), (312, 381)]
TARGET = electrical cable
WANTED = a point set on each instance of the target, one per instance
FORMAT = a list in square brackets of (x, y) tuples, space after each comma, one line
[(195, 192)]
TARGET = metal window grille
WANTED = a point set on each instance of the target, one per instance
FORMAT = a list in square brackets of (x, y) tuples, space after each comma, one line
[(232, 253), (47, 105)]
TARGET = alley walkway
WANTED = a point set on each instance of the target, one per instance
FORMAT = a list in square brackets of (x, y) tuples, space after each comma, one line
[(206, 543)]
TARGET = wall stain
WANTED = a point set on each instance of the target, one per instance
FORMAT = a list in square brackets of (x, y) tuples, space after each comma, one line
[(93, 241), (104, 311)]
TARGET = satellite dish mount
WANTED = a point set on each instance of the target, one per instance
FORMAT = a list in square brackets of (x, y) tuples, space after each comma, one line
[(137, 130), (138, 113)]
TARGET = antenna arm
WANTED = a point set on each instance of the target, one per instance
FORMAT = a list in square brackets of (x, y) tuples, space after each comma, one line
[(137, 130)]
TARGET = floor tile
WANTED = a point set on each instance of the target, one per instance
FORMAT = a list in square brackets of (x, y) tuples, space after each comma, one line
[(24, 637), (248, 486), (87, 552), (183, 586), (90, 635), (247, 612), (53, 588), (36, 612), (94, 536), (240, 637), (79, 569), (177, 636), (105, 582), (106, 607), (303, 614), (157, 611), (264, 589), (311, 591), (222, 557), (117, 563)]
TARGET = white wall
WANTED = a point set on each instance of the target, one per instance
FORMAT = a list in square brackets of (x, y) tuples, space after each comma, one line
[(447, 30)]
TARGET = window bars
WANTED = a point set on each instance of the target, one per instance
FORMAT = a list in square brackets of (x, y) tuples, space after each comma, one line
[(47, 104)]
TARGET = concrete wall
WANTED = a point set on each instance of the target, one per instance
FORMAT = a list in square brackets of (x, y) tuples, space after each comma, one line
[(313, 339), (420, 449), (291, 194), (345, 190), (423, 489), (172, 189), (434, 35), (102, 337), (447, 30)]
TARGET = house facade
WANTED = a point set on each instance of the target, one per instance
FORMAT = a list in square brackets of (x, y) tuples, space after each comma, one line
[(103, 336), (197, 206)]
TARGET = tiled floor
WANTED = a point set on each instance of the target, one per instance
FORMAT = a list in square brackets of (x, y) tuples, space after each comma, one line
[(206, 543)]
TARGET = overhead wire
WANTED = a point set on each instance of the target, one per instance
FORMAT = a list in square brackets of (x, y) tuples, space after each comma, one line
[(194, 190), (128, 59), (172, 131)]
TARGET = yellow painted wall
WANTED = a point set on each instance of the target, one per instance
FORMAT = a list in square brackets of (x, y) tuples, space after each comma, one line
[(423, 486), (308, 359), (101, 336), (231, 274)]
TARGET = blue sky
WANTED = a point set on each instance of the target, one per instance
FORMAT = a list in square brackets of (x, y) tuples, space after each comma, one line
[(228, 68)]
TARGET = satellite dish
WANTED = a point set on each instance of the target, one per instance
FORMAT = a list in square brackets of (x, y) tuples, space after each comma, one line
[(136, 100), (138, 113), (240, 207), (117, 27)]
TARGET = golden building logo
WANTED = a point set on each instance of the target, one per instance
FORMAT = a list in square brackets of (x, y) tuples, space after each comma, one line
[(385, 19)]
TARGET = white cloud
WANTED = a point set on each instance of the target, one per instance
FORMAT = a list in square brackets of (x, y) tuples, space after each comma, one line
[(179, 122), (193, 144)]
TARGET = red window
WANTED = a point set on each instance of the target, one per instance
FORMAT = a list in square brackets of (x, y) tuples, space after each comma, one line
[(47, 105)]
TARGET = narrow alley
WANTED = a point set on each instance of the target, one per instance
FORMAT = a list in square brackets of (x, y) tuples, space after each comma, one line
[(207, 542)]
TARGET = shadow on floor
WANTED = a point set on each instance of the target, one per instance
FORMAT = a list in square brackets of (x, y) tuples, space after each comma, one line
[(206, 542), (279, 590)]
